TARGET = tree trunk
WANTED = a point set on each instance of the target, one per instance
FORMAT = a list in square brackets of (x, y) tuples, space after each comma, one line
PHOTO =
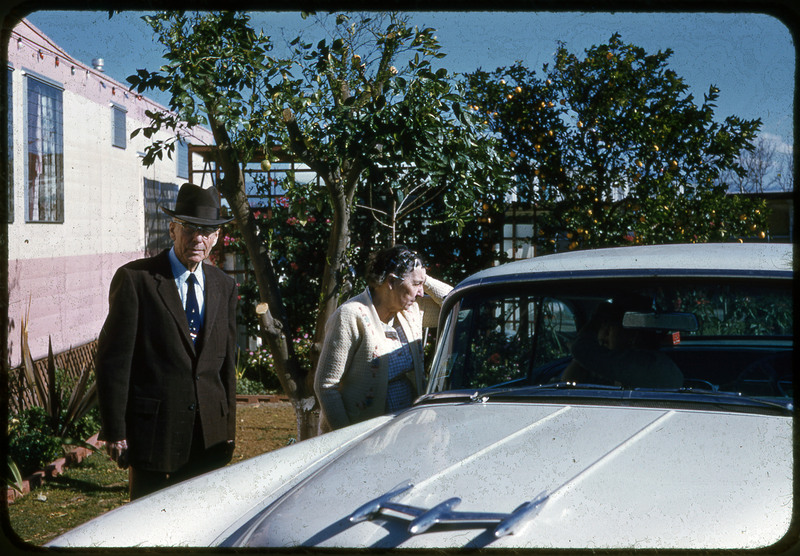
[(275, 327), (341, 185), (332, 274)]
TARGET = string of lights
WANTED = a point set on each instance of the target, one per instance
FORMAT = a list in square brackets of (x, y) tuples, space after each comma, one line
[(44, 51)]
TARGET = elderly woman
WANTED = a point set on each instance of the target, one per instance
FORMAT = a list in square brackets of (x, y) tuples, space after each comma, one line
[(371, 362)]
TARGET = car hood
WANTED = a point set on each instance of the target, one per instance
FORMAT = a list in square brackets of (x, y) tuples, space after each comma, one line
[(601, 477), (596, 477)]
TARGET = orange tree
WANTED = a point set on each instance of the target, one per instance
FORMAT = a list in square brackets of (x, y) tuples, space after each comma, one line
[(610, 148), (364, 101), (295, 232)]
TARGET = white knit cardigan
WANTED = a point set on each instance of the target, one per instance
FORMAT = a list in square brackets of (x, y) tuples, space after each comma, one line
[(351, 379)]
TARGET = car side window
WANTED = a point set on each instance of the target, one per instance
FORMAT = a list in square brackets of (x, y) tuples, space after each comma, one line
[(557, 329), (501, 340)]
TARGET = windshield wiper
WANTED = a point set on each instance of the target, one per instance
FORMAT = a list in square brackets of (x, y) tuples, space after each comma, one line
[(563, 385), (599, 392), (575, 385), (499, 392), (551, 389), (726, 397)]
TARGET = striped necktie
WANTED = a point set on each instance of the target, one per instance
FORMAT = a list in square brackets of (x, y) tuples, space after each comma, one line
[(192, 308)]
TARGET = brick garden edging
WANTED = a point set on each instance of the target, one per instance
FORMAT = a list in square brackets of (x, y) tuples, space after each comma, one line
[(261, 398), (75, 455)]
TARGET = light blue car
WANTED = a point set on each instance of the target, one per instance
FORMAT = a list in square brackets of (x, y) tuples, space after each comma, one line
[(637, 397)]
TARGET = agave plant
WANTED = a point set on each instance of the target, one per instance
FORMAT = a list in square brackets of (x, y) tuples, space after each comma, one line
[(45, 394), (14, 480)]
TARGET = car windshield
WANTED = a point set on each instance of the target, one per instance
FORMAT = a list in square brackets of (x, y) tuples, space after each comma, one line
[(673, 335)]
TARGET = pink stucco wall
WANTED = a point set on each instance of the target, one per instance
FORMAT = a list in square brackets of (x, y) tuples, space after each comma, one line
[(60, 272), (68, 299)]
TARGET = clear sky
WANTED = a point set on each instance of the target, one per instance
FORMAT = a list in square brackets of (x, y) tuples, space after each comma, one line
[(750, 57)]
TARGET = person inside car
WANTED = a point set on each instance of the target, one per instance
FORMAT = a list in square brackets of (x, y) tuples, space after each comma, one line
[(605, 352)]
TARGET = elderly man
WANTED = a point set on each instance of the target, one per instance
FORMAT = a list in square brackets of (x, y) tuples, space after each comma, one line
[(166, 355)]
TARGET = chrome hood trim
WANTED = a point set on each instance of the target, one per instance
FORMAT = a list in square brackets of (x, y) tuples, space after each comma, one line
[(444, 514)]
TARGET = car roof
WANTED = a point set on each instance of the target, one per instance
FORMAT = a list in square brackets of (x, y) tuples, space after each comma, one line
[(772, 260)]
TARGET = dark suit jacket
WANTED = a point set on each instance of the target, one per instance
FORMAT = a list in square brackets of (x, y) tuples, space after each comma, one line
[(151, 380)]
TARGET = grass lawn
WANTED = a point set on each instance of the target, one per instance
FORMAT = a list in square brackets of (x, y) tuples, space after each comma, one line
[(97, 485)]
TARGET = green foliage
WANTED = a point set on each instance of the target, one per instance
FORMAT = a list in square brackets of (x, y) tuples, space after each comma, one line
[(403, 128), (295, 231), (248, 387), (33, 441), (14, 479), (294, 236), (66, 411), (452, 253), (612, 150), (725, 311), (255, 373), (515, 335), (217, 72), (398, 136)]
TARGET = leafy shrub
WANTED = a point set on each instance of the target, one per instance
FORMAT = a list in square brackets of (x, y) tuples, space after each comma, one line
[(248, 387), (33, 442), (255, 373), (65, 411)]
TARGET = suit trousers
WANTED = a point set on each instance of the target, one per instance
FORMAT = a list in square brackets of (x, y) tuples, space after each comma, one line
[(142, 482)]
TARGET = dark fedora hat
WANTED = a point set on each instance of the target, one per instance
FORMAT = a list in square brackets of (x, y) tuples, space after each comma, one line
[(197, 205)]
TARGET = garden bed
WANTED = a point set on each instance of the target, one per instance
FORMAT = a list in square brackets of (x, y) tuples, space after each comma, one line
[(97, 485), (75, 455)]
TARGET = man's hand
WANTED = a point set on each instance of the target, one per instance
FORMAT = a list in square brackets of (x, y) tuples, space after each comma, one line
[(118, 451)]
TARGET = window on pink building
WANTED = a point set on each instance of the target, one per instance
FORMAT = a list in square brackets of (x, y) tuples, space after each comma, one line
[(10, 150), (45, 193)]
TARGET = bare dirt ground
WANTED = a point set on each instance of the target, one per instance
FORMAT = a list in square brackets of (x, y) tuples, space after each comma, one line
[(262, 428)]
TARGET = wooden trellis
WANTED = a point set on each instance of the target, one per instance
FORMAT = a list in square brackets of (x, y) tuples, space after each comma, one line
[(71, 362)]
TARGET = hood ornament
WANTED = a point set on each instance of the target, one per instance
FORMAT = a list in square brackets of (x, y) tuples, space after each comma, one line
[(422, 519)]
